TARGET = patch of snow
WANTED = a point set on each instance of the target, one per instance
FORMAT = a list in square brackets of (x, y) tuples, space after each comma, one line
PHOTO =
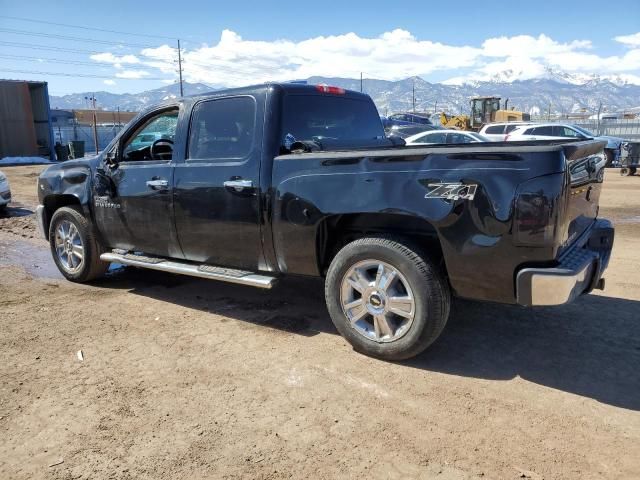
[(9, 161)]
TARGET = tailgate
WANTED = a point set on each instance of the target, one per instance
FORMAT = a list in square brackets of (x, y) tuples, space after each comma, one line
[(585, 163)]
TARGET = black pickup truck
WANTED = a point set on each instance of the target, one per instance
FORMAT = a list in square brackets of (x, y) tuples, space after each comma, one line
[(250, 184)]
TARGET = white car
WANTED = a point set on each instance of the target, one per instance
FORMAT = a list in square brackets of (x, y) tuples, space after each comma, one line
[(497, 132), (5, 191), (445, 137), (563, 131)]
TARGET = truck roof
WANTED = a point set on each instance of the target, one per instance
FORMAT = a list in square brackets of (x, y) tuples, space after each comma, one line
[(312, 89)]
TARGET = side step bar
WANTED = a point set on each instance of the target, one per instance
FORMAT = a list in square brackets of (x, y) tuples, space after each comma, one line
[(203, 271)]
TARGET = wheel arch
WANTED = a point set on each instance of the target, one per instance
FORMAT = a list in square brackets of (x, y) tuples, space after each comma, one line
[(56, 201), (335, 231)]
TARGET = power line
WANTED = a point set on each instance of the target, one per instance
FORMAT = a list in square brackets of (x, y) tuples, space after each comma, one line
[(55, 60), (79, 39), (47, 47), (84, 75), (93, 29)]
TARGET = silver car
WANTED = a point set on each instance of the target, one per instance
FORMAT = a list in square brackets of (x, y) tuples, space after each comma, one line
[(5, 191)]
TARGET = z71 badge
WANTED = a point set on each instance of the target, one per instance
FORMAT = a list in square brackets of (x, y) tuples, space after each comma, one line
[(451, 191)]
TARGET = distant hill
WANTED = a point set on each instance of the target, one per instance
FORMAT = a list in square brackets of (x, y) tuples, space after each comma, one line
[(127, 101), (560, 92)]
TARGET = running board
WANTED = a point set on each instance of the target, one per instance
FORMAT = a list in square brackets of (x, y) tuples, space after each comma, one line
[(203, 271)]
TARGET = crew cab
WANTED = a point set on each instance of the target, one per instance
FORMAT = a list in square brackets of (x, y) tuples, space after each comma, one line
[(248, 185)]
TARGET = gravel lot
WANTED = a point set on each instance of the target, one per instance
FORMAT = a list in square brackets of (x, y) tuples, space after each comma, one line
[(188, 378)]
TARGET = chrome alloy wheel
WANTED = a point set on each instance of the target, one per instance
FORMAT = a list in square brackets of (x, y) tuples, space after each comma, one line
[(377, 300), (69, 248)]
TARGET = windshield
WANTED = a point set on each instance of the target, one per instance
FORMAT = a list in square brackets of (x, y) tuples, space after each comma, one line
[(318, 117), (583, 131)]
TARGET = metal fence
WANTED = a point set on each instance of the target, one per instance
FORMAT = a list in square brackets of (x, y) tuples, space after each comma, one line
[(629, 129), (67, 133)]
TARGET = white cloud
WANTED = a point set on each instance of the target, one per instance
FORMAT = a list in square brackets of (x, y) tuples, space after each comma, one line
[(108, 57), (132, 74), (632, 40), (391, 55), (109, 82)]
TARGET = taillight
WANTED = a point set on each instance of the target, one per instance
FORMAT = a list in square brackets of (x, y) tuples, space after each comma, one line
[(328, 89)]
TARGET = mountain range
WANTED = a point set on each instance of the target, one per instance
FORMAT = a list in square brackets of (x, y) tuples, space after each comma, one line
[(557, 92)]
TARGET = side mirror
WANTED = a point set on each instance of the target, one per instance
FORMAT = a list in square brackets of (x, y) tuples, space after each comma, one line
[(111, 158)]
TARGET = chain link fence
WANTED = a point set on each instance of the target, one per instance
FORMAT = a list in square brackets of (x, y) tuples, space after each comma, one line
[(68, 133)]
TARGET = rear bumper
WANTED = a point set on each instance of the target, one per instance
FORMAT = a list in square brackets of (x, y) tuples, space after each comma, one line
[(580, 270)]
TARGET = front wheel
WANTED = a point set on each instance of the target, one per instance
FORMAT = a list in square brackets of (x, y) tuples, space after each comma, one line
[(386, 299), (75, 249)]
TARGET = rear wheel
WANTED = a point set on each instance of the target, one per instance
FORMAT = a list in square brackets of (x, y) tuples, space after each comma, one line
[(386, 299), (75, 249)]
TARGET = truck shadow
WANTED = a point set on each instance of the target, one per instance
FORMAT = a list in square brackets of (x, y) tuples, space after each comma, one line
[(589, 348), (293, 306)]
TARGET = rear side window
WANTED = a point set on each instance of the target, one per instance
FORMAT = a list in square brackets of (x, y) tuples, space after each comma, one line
[(222, 129), (510, 128), (318, 117), (494, 129), (544, 131), (433, 138)]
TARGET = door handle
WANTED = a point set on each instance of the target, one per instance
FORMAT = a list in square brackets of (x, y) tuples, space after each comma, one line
[(157, 184), (238, 185)]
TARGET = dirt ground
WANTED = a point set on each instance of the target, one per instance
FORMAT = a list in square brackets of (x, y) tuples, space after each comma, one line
[(188, 378)]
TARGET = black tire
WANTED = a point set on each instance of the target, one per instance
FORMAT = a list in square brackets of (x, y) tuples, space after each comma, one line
[(430, 292), (632, 171), (91, 267)]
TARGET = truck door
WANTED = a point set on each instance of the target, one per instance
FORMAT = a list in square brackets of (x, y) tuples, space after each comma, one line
[(133, 201), (216, 187)]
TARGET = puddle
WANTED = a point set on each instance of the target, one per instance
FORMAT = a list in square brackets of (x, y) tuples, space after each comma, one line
[(35, 259)]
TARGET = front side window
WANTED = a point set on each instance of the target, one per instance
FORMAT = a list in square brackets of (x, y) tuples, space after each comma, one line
[(222, 129), (153, 140), (458, 138)]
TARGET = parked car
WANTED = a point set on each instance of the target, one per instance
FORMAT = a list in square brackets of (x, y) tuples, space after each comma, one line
[(5, 191), (445, 136), (407, 119), (497, 132), (404, 131), (289, 179), (559, 131)]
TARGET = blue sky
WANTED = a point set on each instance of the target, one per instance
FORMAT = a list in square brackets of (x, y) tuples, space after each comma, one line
[(229, 43)]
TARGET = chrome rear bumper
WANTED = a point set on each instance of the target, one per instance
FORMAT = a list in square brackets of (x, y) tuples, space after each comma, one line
[(579, 271)]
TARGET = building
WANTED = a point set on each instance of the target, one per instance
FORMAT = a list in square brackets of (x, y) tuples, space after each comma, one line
[(25, 124)]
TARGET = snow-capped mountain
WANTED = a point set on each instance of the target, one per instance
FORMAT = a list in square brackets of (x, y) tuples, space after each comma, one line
[(555, 91)]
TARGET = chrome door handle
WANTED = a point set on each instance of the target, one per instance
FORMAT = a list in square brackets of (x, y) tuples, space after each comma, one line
[(157, 184), (238, 185)]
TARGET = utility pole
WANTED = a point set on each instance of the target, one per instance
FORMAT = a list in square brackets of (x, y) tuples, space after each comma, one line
[(180, 67), (95, 122), (413, 94), (360, 82), (92, 99), (435, 107), (598, 118)]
